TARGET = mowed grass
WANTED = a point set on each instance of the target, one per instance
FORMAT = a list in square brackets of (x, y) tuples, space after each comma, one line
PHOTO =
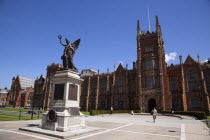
[(208, 117), (14, 109), (86, 113), (14, 117)]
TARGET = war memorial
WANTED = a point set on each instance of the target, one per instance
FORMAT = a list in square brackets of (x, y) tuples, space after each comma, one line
[(64, 112)]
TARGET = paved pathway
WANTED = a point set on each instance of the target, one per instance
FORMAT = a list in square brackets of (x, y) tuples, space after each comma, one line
[(120, 127)]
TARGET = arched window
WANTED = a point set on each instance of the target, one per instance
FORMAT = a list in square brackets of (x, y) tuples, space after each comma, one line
[(83, 103), (102, 104), (173, 83), (149, 49), (92, 104), (175, 103), (149, 64), (120, 104), (195, 103), (192, 80), (150, 82), (121, 90)]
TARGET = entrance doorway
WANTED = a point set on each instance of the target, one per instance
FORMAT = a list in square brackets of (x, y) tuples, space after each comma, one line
[(151, 104)]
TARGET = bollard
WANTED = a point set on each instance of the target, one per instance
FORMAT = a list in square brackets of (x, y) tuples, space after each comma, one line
[(20, 115)]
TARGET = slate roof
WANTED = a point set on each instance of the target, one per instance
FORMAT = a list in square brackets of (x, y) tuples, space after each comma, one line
[(26, 82), (4, 91)]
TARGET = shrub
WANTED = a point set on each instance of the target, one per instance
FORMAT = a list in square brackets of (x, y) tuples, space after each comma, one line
[(97, 112), (199, 115)]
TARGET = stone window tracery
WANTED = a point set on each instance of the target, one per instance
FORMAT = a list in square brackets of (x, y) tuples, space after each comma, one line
[(175, 103), (149, 49), (150, 82), (173, 83), (192, 80), (195, 103), (149, 64)]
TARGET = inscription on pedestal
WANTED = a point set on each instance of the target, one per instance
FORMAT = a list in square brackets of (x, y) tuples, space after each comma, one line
[(72, 92), (59, 92), (73, 111)]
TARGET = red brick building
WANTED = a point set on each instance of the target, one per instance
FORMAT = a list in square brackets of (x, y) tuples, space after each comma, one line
[(150, 83), (20, 85), (26, 97), (3, 96), (190, 85), (39, 85)]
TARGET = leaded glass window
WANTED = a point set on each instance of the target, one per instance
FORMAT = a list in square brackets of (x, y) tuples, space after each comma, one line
[(121, 90), (148, 49), (195, 103), (150, 82), (175, 103), (83, 103), (173, 83), (102, 104), (149, 64), (120, 104), (192, 80), (121, 81)]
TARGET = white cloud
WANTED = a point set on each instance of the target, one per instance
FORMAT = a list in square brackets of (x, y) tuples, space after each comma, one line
[(204, 61), (121, 62), (170, 56)]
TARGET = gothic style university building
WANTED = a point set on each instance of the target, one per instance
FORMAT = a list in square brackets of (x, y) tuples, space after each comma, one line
[(150, 83)]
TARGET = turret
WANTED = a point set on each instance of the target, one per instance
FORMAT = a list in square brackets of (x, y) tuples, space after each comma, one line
[(138, 28), (158, 28)]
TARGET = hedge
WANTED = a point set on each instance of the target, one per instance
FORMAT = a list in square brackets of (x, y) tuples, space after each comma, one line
[(199, 115), (97, 112)]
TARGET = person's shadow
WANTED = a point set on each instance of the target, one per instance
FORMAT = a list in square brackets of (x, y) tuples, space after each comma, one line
[(150, 121)]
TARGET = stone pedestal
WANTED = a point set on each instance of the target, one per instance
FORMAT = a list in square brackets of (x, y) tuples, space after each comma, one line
[(64, 114)]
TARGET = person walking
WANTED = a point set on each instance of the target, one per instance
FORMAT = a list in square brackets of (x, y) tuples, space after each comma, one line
[(154, 114), (111, 110)]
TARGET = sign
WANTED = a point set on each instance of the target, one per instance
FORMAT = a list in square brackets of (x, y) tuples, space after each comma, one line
[(59, 92), (73, 92)]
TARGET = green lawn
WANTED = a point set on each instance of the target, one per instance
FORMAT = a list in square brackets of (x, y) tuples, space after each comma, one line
[(86, 113), (208, 117), (14, 117), (18, 110), (14, 109)]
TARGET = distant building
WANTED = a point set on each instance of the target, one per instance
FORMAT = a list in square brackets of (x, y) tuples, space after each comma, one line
[(20, 85), (3, 96), (47, 88), (88, 72), (39, 86), (26, 97)]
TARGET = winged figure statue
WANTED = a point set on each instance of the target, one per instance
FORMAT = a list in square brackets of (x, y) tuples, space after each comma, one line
[(68, 53)]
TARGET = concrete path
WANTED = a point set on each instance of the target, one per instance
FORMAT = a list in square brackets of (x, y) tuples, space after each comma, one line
[(120, 127)]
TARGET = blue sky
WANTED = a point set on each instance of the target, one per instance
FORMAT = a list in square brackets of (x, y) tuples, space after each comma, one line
[(107, 29)]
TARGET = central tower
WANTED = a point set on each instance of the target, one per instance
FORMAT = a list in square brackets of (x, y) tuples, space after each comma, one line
[(152, 89)]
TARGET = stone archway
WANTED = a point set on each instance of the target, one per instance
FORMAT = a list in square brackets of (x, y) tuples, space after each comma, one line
[(151, 104)]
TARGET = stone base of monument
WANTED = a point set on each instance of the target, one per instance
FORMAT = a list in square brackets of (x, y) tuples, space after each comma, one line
[(63, 118), (59, 134), (64, 122)]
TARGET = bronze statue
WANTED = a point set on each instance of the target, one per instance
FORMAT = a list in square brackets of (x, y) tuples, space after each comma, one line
[(68, 53)]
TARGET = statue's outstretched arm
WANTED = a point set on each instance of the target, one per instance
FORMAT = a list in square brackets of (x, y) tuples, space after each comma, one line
[(59, 36)]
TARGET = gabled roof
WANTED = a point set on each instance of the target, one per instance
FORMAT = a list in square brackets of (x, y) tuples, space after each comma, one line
[(26, 82), (120, 67), (190, 60)]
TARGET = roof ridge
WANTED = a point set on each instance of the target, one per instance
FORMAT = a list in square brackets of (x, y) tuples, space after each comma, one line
[(26, 77)]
